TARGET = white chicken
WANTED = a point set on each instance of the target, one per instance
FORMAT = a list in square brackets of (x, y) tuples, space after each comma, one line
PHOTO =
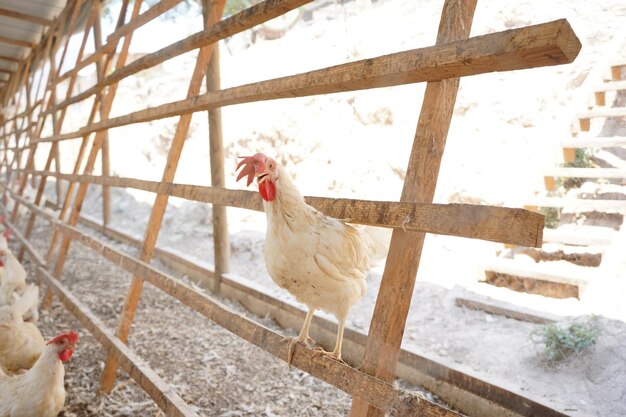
[(12, 277), (21, 343), (320, 260), (39, 392)]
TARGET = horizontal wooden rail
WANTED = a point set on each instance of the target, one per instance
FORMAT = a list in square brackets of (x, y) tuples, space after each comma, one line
[(287, 314), (112, 40), (529, 47), (170, 402), (244, 20), (497, 224), (374, 391)]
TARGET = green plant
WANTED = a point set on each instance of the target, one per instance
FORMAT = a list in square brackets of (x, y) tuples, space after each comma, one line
[(551, 215), (583, 159), (561, 340)]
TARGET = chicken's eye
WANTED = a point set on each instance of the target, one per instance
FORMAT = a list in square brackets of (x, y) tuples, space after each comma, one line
[(270, 165)]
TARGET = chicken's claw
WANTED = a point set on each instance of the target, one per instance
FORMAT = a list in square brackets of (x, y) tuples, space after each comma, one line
[(318, 351), (309, 343)]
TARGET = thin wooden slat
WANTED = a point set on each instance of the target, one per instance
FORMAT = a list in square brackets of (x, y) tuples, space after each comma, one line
[(396, 288), (16, 42), (608, 173), (9, 58), (498, 224), (551, 43), (603, 112), (112, 40), (25, 17), (158, 208), (244, 20), (352, 381)]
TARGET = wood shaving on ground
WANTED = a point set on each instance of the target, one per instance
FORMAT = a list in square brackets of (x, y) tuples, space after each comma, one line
[(214, 371)]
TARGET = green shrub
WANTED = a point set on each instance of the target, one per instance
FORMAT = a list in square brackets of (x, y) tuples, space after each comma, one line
[(561, 340)]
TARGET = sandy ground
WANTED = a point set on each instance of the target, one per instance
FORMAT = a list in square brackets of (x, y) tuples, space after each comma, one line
[(504, 132)]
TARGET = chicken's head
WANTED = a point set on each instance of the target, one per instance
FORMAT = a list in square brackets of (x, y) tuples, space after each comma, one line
[(265, 169), (64, 344)]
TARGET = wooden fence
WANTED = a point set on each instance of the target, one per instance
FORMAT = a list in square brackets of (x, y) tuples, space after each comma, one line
[(454, 55)]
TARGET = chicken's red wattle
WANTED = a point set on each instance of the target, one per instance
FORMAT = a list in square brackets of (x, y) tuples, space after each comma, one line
[(267, 189)]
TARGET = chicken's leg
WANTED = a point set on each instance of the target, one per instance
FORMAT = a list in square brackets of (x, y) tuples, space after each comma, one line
[(303, 337), (335, 354)]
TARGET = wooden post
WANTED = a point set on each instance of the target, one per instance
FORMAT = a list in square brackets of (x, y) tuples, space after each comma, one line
[(106, 190), (396, 289), (221, 242), (158, 208)]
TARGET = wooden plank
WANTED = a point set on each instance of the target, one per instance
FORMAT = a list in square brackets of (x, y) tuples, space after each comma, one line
[(221, 241), (498, 224), (7, 71), (244, 20), (352, 381), (583, 236), (490, 305), (396, 288), (534, 46), (579, 205), (25, 17), (9, 58), (16, 42), (160, 205), (611, 86), (608, 173), (603, 112), (594, 142), (162, 393)]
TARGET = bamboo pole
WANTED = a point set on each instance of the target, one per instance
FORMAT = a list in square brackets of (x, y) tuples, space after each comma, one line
[(160, 205), (396, 288), (221, 243)]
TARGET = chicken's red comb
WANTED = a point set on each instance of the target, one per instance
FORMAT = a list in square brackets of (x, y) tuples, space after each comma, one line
[(71, 336), (248, 166)]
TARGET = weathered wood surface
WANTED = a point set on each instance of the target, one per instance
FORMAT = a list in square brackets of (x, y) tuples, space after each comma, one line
[(376, 392), (160, 205), (534, 46), (113, 39), (221, 241), (244, 20), (396, 288), (25, 17), (476, 301), (499, 224), (16, 42)]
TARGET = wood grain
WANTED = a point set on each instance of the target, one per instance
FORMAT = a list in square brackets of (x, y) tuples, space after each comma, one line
[(396, 288), (497, 224), (528, 47)]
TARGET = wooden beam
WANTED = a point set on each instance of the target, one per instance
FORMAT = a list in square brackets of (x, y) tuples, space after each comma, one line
[(498, 224), (7, 71), (16, 42), (160, 205), (9, 58), (25, 17), (396, 288), (529, 47), (352, 381), (221, 241)]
